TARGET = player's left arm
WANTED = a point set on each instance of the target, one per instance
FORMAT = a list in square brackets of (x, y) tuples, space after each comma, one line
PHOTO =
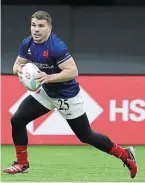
[(68, 72), (66, 64)]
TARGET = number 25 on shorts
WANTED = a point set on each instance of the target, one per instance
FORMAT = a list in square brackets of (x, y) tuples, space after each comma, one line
[(63, 104)]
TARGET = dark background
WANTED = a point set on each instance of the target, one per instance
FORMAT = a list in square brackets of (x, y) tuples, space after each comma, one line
[(104, 37)]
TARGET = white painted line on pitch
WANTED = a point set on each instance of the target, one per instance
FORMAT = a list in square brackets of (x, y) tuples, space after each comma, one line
[(69, 182)]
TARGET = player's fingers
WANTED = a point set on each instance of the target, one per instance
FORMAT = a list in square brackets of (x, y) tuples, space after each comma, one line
[(19, 70), (40, 75), (20, 74), (41, 79), (22, 65), (44, 81)]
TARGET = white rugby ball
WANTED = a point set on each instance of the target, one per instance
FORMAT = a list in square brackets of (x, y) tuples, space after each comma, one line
[(29, 72)]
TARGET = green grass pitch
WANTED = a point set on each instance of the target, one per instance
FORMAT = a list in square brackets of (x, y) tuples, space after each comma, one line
[(72, 164)]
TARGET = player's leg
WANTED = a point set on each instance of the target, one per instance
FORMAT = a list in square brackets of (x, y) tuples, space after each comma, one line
[(28, 110), (83, 131)]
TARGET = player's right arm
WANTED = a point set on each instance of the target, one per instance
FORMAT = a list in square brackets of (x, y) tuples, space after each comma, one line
[(21, 58), (19, 63)]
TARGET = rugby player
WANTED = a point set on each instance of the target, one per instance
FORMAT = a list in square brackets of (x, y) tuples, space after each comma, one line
[(59, 90)]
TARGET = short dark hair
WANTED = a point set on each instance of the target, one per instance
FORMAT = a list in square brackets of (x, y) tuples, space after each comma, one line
[(42, 15)]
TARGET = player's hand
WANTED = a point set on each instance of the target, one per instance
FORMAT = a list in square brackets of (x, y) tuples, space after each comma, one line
[(42, 77), (20, 70)]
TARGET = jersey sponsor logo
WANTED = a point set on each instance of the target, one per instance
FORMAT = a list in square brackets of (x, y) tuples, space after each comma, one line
[(42, 66), (29, 52)]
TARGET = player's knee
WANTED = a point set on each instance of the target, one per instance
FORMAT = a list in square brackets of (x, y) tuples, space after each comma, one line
[(16, 120), (83, 139), (86, 138)]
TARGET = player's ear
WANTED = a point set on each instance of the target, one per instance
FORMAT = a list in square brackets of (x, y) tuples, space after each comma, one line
[(50, 26)]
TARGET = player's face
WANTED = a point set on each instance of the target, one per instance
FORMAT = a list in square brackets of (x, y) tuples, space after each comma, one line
[(40, 30)]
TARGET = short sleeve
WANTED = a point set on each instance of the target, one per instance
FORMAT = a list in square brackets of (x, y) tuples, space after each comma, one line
[(62, 53), (23, 49)]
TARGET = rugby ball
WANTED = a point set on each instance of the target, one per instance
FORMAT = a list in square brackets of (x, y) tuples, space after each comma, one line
[(29, 72)]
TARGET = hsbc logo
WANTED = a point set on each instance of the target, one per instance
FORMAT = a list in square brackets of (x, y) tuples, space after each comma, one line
[(128, 110), (55, 124)]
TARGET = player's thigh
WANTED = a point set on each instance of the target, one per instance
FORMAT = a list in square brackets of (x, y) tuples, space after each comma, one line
[(29, 110), (42, 97), (70, 108), (80, 125)]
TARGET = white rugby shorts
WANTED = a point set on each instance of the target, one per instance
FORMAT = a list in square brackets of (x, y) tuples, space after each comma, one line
[(69, 108)]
